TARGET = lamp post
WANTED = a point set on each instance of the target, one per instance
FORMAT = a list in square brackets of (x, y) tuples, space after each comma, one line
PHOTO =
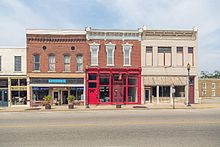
[(188, 68)]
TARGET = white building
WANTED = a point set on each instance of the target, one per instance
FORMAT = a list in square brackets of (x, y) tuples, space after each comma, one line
[(165, 56), (13, 84)]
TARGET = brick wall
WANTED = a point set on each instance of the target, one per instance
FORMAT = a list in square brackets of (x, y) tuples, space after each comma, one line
[(58, 45), (135, 53), (209, 87)]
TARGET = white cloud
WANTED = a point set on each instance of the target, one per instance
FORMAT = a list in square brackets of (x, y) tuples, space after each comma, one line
[(174, 14)]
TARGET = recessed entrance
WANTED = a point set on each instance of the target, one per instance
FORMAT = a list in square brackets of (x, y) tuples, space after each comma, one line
[(64, 97)]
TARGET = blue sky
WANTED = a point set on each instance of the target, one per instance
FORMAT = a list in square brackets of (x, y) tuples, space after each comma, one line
[(17, 15)]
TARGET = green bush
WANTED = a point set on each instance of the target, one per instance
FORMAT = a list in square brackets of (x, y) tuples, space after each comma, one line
[(47, 98), (71, 98)]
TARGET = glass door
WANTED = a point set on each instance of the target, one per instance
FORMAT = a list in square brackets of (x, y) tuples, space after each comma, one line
[(64, 97), (3, 98)]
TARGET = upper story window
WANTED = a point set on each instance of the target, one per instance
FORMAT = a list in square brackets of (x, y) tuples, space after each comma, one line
[(191, 56), (0, 63), (94, 49), (36, 62), (203, 85), (179, 51), (213, 92), (127, 54), (110, 49), (149, 56), (66, 63), (213, 85), (164, 56), (79, 62), (51, 62), (17, 63)]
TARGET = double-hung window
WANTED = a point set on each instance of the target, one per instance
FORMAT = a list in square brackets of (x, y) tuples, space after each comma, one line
[(17, 63), (191, 56), (36, 60), (51, 62), (164, 56), (66, 63), (179, 56), (149, 56), (127, 54), (110, 49), (79, 62)]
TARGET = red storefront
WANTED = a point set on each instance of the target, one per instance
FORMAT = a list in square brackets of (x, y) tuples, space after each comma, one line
[(113, 85)]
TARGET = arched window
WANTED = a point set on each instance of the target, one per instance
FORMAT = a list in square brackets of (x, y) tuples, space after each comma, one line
[(79, 62), (36, 62), (51, 62)]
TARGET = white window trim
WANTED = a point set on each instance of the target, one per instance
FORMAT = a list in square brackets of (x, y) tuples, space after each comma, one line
[(213, 85), (110, 46), (94, 46), (125, 45), (203, 85), (213, 92)]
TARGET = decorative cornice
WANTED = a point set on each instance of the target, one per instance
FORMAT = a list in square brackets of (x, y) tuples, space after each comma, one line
[(42, 39)]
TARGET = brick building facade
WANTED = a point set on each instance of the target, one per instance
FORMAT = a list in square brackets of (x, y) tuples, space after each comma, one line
[(114, 71), (55, 64), (209, 88)]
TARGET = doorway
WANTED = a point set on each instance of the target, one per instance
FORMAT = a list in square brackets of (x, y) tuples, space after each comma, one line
[(3, 98), (64, 97), (118, 89), (147, 95)]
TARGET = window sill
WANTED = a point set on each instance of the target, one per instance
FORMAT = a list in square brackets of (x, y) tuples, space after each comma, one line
[(79, 71), (36, 71), (94, 65), (110, 65), (126, 65), (66, 71), (51, 71), (17, 72)]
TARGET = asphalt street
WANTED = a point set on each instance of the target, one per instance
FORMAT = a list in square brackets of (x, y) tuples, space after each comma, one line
[(188, 127)]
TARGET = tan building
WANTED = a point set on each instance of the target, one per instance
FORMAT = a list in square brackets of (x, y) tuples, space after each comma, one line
[(209, 88), (165, 56)]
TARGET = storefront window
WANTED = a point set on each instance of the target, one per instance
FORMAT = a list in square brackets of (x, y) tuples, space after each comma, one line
[(104, 79), (38, 93), (14, 82), (77, 92), (4, 83), (132, 94), (179, 91), (132, 88), (164, 91), (104, 94), (19, 97)]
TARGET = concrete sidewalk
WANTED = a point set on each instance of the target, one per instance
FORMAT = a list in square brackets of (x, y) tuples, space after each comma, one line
[(110, 107)]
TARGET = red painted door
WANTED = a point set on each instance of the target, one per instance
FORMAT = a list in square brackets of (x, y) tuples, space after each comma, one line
[(93, 96)]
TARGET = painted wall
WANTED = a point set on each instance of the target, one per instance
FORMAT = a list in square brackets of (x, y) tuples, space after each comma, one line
[(7, 61)]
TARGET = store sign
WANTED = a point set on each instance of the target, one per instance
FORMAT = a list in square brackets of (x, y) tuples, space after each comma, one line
[(57, 81)]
